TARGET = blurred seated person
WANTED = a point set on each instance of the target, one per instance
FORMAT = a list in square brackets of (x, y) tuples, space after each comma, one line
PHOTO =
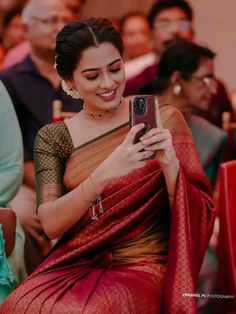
[(170, 20), (8, 5), (74, 6), (13, 32), (136, 35), (127, 223), (19, 52), (12, 265), (186, 80), (33, 85)]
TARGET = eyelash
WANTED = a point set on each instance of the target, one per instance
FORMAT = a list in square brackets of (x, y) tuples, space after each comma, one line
[(94, 77), (115, 70)]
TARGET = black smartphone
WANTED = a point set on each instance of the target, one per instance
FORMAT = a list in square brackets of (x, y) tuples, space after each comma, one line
[(143, 109)]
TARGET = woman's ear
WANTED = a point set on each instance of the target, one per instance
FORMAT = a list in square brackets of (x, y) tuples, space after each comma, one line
[(69, 88), (176, 83), (175, 78), (70, 84)]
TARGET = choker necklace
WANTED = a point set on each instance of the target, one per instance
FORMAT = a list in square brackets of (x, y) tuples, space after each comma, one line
[(99, 114)]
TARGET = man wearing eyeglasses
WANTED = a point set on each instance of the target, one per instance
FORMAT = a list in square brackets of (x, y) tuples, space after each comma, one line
[(171, 20), (18, 53), (33, 85)]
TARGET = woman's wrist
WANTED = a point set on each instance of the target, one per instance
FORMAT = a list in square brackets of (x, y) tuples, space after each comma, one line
[(172, 166), (92, 187), (171, 173), (99, 179), (87, 190)]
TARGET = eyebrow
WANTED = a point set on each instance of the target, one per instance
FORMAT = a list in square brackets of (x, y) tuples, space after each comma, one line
[(95, 69), (165, 19)]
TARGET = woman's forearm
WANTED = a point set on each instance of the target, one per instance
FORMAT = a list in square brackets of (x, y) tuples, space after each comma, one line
[(171, 173), (60, 215)]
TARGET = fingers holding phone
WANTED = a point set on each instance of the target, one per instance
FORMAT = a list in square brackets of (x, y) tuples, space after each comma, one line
[(136, 149), (145, 109), (126, 157), (142, 109), (159, 140)]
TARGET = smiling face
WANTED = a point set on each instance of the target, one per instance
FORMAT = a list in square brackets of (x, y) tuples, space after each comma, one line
[(99, 77), (201, 86)]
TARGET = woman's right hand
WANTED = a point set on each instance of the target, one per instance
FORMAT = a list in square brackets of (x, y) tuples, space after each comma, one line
[(126, 157)]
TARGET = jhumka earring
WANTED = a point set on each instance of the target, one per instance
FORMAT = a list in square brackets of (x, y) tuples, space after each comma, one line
[(69, 90)]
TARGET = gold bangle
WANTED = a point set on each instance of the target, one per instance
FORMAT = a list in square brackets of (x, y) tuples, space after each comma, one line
[(93, 204)]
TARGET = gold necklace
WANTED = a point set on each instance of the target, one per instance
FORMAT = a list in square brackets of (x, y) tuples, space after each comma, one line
[(99, 114)]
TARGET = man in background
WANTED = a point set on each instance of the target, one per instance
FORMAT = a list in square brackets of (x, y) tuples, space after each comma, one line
[(18, 53), (170, 20), (136, 34)]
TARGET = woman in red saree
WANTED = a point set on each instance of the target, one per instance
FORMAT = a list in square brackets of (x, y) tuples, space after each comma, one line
[(133, 230)]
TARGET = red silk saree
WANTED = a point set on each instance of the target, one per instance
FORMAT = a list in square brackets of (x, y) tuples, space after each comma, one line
[(139, 256)]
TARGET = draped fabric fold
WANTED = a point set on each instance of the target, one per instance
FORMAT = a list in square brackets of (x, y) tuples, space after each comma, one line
[(140, 256)]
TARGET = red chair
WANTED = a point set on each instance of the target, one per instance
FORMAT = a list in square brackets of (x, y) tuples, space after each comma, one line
[(227, 238), (230, 128), (8, 222)]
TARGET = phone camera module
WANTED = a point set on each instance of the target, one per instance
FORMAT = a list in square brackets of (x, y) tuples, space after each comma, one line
[(139, 106)]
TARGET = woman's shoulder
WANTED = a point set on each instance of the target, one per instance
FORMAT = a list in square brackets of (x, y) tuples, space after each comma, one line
[(53, 129), (169, 110), (171, 115), (173, 119), (57, 136), (54, 132)]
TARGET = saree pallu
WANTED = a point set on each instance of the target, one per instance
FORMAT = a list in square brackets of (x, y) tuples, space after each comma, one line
[(118, 263)]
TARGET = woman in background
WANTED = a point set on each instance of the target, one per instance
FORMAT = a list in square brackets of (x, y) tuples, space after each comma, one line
[(133, 230), (186, 80)]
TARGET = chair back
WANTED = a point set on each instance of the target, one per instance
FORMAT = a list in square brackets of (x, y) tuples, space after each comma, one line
[(227, 236), (58, 114), (8, 222), (230, 128)]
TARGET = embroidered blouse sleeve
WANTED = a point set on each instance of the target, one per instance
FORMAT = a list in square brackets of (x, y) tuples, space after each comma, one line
[(50, 155)]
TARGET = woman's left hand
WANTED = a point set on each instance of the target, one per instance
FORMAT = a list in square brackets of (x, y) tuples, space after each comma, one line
[(160, 140)]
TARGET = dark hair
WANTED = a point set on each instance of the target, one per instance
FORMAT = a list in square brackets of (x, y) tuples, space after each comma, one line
[(77, 36), (161, 5), (125, 17), (9, 15), (182, 56)]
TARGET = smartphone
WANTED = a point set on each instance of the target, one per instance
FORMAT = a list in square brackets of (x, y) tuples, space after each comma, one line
[(143, 109)]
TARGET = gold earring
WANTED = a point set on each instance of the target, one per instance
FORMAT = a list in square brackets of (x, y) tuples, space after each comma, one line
[(177, 89), (69, 90)]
